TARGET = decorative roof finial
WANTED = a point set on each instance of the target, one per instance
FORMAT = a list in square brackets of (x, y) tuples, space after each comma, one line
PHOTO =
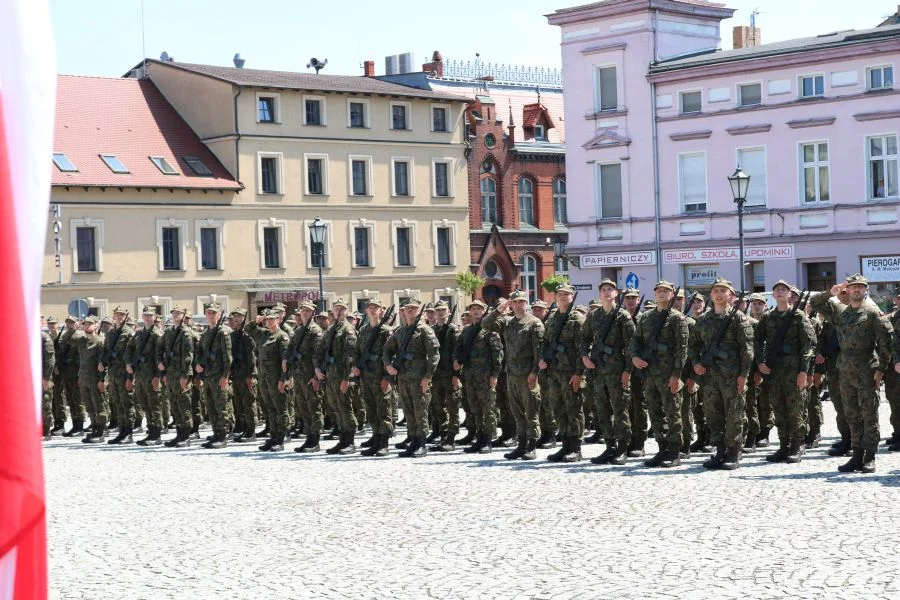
[(511, 122), (538, 90)]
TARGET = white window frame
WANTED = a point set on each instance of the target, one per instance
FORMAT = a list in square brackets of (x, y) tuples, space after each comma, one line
[(565, 198), (219, 226), (276, 108), (413, 237), (322, 110), (410, 171), (397, 294), (739, 161), (739, 96), (454, 240), (598, 193), (543, 133), (279, 176), (816, 164), (102, 306), (408, 106), (361, 223), (329, 243), (182, 226), (451, 188), (453, 293), (447, 109), (368, 160), (367, 106), (534, 207), (280, 224), (812, 76), (879, 68), (597, 91), (222, 299), (326, 189), (99, 239), (496, 193), (681, 155), (523, 277), (165, 303), (681, 94), (364, 294), (868, 156)]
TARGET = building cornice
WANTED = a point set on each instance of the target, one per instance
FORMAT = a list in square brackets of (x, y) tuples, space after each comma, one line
[(748, 129), (877, 115), (690, 135), (813, 122), (605, 10)]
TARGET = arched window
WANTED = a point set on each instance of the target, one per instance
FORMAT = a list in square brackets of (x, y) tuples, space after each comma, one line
[(528, 277), (526, 202), (559, 202), (489, 202)]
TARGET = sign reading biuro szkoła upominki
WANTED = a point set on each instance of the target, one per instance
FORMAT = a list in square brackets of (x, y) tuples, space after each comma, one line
[(881, 269)]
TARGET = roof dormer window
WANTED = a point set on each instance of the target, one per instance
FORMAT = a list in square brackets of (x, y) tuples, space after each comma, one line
[(163, 165), (197, 166), (539, 133), (115, 165), (63, 163)]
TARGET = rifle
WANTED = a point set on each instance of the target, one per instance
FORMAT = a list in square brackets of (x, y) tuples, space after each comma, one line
[(772, 359), (563, 319), (141, 358), (601, 350), (294, 358), (113, 340), (212, 339), (547, 314), (652, 348), (370, 343), (713, 350), (401, 356), (690, 303), (639, 305)]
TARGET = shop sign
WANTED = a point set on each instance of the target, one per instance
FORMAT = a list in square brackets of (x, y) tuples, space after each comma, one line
[(700, 276), (618, 259), (881, 269), (290, 296), (693, 255)]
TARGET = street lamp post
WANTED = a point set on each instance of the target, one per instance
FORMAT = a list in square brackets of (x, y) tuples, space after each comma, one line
[(317, 233), (739, 182)]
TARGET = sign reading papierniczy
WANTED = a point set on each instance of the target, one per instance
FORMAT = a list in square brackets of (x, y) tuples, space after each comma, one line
[(881, 269), (619, 259), (699, 255)]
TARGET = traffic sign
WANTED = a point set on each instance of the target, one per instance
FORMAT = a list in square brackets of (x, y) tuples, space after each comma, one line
[(78, 308), (631, 280)]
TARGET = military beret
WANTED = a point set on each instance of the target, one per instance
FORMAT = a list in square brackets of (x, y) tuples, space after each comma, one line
[(680, 293), (214, 306), (699, 297), (429, 307), (322, 315), (795, 291), (52, 320), (722, 282), (72, 318), (650, 304), (129, 321), (106, 320), (565, 287), (90, 319), (120, 309), (339, 303), (409, 301), (441, 305), (478, 303), (781, 282), (632, 292), (757, 297), (374, 301), (178, 308), (594, 303), (540, 304), (239, 312), (607, 281), (518, 295), (279, 306), (857, 279), (308, 305), (149, 310), (666, 285), (271, 313)]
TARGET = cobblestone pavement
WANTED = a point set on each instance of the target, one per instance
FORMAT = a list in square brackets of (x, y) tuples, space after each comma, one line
[(129, 522)]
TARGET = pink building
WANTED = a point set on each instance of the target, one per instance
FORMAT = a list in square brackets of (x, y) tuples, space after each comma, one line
[(658, 118)]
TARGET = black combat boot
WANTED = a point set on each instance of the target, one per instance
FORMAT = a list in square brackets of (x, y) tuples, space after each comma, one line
[(716, 460), (368, 443), (221, 441), (475, 445), (92, 433), (574, 454), (267, 445), (505, 436), (636, 450), (762, 440), (58, 428), (672, 458), (347, 439), (435, 434), (264, 432), (98, 438), (382, 448), (563, 450), (595, 437), (342, 443), (182, 437), (447, 445), (195, 430), (150, 430), (892, 440), (246, 437), (468, 439), (334, 434), (732, 459), (780, 455), (372, 447), (124, 436), (410, 448), (547, 440), (529, 453), (750, 444), (658, 458), (404, 445), (519, 451), (868, 465), (812, 440), (798, 449), (77, 427), (611, 450), (278, 443), (685, 452), (421, 447), (855, 463), (485, 446), (621, 454), (841, 447), (47, 435), (152, 439), (310, 446), (895, 447)]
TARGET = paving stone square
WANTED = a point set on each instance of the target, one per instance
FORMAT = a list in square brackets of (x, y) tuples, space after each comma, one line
[(137, 523)]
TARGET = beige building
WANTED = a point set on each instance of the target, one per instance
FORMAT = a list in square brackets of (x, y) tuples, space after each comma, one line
[(249, 159)]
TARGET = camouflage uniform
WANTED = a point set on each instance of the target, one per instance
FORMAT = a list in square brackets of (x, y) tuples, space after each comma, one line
[(48, 363), (480, 352), (175, 351), (140, 355), (243, 379), (892, 387), (339, 346), (813, 401), (67, 366), (367, 358), (215, 357), (751, 404), (90, 348), (549, 428), (113, 360), (58, 399), (273, 355), (444, 399), (304, 353)]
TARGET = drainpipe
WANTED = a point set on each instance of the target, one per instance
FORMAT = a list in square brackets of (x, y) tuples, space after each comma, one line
[(237, 141), (656, 221)]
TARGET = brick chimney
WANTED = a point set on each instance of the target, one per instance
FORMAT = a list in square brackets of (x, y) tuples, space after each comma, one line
[(436, 65), (746, 37), (369, 68)]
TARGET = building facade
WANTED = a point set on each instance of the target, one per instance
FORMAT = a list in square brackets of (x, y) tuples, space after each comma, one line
[(381, 164), (814, 122)]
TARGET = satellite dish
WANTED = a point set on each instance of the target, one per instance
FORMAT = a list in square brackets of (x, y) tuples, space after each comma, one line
[(316, 64)]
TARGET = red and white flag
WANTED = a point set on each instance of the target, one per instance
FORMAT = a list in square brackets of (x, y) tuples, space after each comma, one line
[(27, 101)]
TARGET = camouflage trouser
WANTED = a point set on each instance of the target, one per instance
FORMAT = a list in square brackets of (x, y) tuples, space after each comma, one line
[(505, 418), (96, 401), (58, 402), (291, 405), (861, 399), (892, 391), (764, 408), (568, 405), (665, 410), (276, 404), (359, 406), (414, 404), (165, 404), (445, 405), (833, 379), (591, 410), (310, 404), (218, 405), (122, 399), (341, 404), (378, 405), (789, 404), (613, 405), (548, 419), (524, 401), (751, 409), (689, 403), (814, 410), (638, 409), (68, 386), (180, 399), (149, 400), (244, 402), (724, 409), (47, 410), (198, 409), (482, 401)]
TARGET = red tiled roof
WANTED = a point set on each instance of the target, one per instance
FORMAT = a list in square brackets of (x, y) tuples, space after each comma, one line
[(532, 112), (131, 119)]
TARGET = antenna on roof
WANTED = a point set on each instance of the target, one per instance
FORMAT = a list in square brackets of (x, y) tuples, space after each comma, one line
[(316, 64), (143, 39)]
